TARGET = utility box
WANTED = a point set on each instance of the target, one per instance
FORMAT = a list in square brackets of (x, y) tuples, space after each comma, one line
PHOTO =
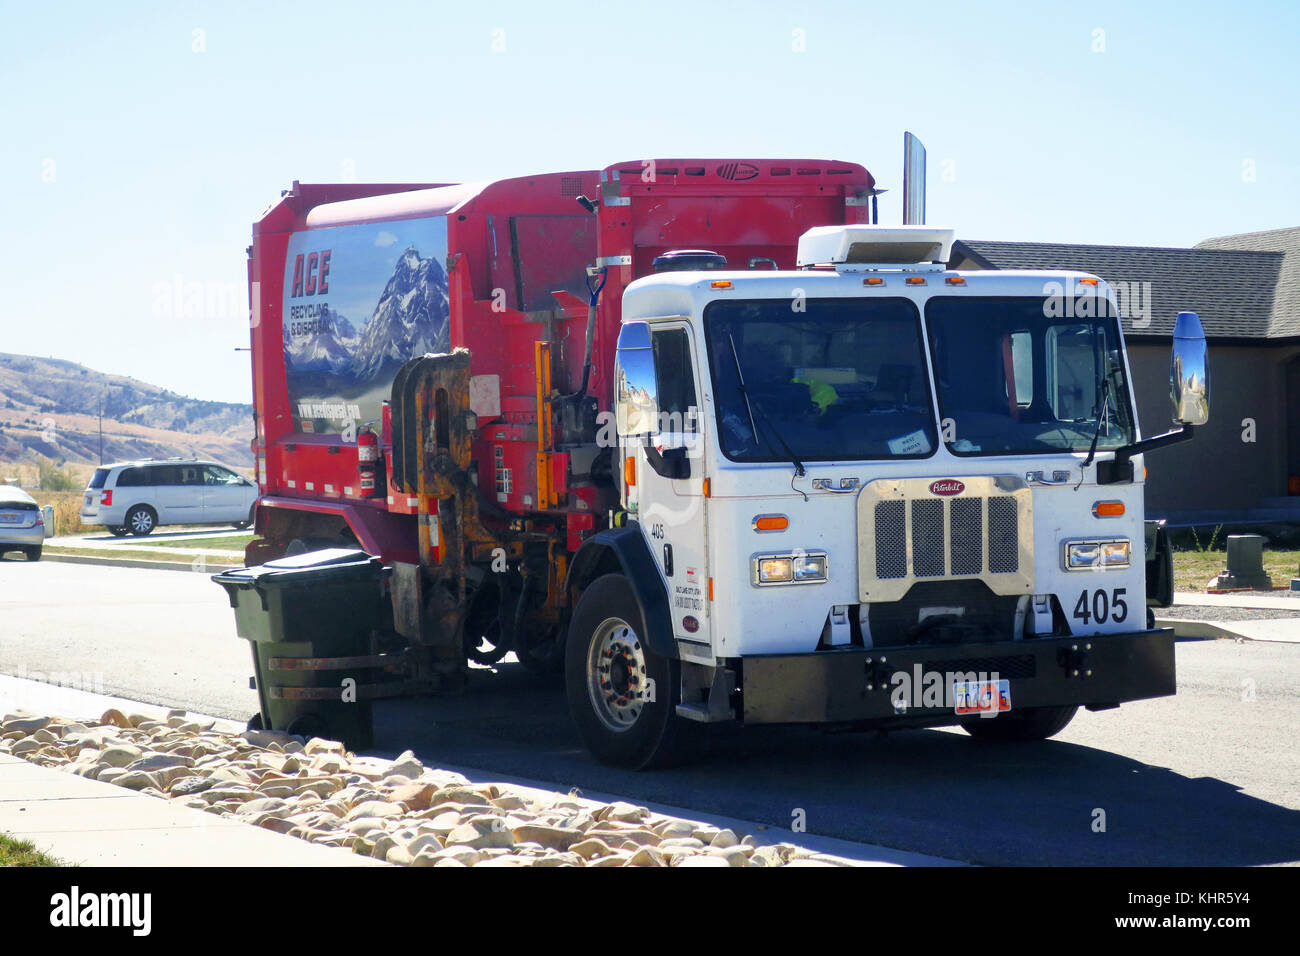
[(311, 619), (1245, 564)]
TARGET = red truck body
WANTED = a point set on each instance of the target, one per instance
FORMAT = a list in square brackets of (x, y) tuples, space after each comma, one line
[(512, 273)]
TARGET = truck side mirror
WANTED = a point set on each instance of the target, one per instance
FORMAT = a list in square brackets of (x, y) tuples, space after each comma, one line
[(1189, 372), (636, 400)]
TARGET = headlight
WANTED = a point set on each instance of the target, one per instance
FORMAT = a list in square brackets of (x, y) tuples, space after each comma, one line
[(789, 568), (810, 567), (1115, 554), (774, 570), (1087, 555)]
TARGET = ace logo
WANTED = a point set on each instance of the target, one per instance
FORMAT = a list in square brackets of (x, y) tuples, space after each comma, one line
[(311, 274)]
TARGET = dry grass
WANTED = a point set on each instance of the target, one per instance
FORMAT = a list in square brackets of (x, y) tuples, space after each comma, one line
[(67, 511)]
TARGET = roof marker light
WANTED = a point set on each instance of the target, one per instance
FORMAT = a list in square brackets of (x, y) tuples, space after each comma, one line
[(873, 280), (915, 280), (721, 284), (955, 280)]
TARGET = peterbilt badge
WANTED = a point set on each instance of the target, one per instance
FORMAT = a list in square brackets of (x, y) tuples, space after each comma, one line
[(947, 486)]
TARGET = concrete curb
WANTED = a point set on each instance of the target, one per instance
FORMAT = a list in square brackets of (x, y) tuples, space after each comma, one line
[(212, 567), (1232, 630)]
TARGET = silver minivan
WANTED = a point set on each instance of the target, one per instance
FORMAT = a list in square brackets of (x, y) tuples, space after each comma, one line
[(136, 497)]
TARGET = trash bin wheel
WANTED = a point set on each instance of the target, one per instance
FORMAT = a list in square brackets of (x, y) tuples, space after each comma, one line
[(255, 722), (308, 726), (484, 640)]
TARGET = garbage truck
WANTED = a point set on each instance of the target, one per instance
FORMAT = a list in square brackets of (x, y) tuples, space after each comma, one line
[(705, 438)]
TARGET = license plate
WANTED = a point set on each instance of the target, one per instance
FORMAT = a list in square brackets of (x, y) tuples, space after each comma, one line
[(981, 696), (10, 519)]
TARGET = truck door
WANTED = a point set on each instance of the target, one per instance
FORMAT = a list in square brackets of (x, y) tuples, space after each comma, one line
[(661, 431)]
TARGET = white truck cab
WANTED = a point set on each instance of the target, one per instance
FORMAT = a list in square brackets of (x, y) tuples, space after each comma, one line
[(876, 492)]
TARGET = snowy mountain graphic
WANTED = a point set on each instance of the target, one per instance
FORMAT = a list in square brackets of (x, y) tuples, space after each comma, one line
[(328, 349), (410, 319)]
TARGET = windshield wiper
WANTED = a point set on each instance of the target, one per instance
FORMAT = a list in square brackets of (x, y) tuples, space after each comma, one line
[(743, 393), (1101, 417), (799, 469)]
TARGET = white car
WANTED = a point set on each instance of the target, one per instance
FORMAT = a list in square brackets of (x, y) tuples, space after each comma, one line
[(22, 525), (137, 496)]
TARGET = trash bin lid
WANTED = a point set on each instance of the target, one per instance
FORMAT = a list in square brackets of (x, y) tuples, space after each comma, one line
[(319, 559), (311, 568)]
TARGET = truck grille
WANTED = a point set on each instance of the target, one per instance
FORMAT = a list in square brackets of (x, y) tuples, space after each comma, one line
[(908, 533), (966, 549)]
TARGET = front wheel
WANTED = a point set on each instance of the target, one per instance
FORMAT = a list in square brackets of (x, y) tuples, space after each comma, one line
[(1036, 723), (623, 696), (118, 531)]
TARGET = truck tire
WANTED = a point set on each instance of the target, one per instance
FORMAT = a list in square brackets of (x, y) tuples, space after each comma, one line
[(141, 520), (1036, 723), (623, 718)]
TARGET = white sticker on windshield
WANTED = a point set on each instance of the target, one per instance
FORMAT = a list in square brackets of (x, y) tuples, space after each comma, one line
[(914, 444)]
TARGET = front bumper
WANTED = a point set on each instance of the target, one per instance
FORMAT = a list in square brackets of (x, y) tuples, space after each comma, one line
[(857, 684)]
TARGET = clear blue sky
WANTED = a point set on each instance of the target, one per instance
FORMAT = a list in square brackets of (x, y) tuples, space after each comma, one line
[(161, 154)]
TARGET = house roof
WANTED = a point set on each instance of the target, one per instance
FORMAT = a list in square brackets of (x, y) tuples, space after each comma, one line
[(1285, 321), (1232, 288)]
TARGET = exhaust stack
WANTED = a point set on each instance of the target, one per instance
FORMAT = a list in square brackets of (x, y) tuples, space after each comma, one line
[(913, 181)]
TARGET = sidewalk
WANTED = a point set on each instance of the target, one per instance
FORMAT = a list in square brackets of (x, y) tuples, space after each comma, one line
[(1216, 620)]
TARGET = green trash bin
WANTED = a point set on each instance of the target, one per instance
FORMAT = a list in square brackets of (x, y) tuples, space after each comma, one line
[(310, 619)]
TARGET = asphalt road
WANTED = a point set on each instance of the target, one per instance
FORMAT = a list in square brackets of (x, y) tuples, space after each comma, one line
[(1209, 777)]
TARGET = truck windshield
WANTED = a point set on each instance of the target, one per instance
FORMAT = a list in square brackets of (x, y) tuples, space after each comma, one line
[(825, 379), (1016, 376)]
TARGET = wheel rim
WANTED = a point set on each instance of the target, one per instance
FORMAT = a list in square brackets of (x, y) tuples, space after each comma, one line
[(141, 521), (616, 675)]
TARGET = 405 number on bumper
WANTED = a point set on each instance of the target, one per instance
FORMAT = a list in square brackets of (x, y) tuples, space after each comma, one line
[(917, 684)]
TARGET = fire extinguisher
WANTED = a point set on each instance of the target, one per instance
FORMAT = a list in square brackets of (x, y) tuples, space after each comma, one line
[(368, 462)]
